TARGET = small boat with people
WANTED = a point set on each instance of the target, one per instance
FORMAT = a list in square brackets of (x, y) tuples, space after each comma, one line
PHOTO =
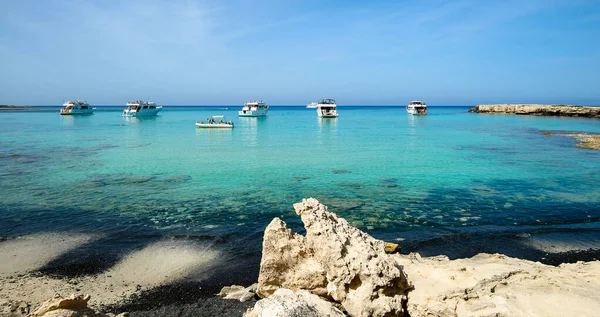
[(416, 107), (326, 108), (140, 108), (215, 122), (73, 107), (254, 108), (311, 105)]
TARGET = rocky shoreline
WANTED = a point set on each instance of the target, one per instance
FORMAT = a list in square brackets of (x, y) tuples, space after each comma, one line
[(334, 269), (539, 110), (586, 140)]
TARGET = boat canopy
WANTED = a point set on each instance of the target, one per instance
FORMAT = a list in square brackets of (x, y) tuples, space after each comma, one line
[(416, 103), (327, 101)]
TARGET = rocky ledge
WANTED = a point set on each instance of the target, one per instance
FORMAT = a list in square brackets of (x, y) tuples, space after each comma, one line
[(586, 140), (540, 110), (336, 269)]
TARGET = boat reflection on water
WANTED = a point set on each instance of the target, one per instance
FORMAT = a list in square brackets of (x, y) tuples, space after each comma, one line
[(75, 120), (138, 120), (327, 128), (250, 127)]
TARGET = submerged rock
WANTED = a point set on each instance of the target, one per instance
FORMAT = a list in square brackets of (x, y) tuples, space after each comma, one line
[(287, 303), (333, 259)]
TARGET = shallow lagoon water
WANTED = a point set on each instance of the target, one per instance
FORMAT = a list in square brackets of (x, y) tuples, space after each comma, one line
[(451, 182)]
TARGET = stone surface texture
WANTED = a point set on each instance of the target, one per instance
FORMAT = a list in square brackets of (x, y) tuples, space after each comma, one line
[(357, 272), (72, 306), (288, 262), (243, 294), (287, 303), (540, 110), (497, 285)]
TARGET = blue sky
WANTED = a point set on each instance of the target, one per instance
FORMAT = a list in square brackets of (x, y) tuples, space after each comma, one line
[(190, 52)]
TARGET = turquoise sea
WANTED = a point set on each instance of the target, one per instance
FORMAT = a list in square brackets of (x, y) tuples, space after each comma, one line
[(451, 182)]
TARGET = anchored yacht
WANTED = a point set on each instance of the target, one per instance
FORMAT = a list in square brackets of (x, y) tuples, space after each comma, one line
[(255, 108), (141, 108), (416, 107), (326, 108), (73, 107)]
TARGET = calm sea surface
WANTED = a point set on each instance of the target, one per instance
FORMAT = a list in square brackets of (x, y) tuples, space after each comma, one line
[(451, 182)]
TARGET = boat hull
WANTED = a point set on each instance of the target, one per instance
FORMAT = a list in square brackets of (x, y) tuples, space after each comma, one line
[(142, 113), (75, 112), (214, 125), (250, 113), (328, 115), (416, 112)]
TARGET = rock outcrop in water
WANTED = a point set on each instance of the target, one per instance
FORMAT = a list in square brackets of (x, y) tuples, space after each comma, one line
[(364, 281), (586, 140), (335, 260), (540, 110)]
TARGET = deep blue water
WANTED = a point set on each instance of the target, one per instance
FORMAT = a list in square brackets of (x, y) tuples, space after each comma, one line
[(451, 182)]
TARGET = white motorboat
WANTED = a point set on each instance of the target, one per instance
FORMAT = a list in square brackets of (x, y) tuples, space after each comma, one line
[(73, 107), (312, 105), (215, 122), (141, 108), (416, 107), (255, 108), (326, 108)]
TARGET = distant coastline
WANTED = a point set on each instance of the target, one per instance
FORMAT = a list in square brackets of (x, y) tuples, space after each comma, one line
[(11, 108), (540, 110)]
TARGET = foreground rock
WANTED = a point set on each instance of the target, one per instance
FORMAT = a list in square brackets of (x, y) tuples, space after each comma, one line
[(334, 260), (540, 110), (74, 305), (497, 285), (287, 303), (243, 294)]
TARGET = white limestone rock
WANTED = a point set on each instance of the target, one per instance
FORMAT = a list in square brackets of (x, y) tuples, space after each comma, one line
[(287, 303), (497, 285), (349, 264), (360, 275), (240, 293), (72, 306), (287, 262)]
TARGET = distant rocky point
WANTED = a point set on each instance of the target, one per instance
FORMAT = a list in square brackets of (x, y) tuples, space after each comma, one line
[(540, 110), (13, 107)]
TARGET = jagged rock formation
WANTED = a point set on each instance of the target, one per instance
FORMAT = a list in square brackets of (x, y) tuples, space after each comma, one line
[(349, 264), (72, 306), (586, 140), (287, 303), (497, 285), (540, 110), (287, 262)]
